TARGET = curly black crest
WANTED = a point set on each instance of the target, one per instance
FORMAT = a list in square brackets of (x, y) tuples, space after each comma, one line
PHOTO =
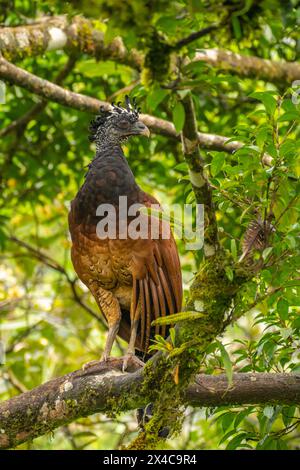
[(131, 111)]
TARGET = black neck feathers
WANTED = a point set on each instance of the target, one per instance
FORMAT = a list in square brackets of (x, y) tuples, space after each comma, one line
[(109, 177)]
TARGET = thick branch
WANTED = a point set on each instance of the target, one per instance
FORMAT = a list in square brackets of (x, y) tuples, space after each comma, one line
[(60, 32), (46, 89), (84, 35), (279, 72), (104, 388), (198, 176), (49, 91)]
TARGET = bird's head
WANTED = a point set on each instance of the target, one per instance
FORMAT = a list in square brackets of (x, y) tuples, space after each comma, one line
[(115, 126)]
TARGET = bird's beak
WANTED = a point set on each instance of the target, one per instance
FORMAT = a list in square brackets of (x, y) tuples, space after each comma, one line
[(145, 131), (140, 129)]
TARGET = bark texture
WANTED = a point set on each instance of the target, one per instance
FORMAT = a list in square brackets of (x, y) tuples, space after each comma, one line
[(279, 72), (104, 388)]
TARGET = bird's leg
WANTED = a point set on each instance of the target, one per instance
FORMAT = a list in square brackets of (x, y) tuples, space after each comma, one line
[(110, 308), (130, 353), (110, 338)]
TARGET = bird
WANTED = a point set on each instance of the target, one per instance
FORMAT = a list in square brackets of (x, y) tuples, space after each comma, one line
[(134, 278)]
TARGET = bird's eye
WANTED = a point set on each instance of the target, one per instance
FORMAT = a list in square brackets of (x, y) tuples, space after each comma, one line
[(123, 124)]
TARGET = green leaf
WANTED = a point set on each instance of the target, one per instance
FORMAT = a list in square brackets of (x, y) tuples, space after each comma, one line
[(267, 443), (262, 136), (288, 413), (3, 239), (173, 335), (268, 411), (181, 167), (177, 317), (268, 101), (227, 420), (289, 146), (217, 164), (84, 434), (91, 68), (83, 446), (286, 332), (233, 249), (281, 445), (266, 252), (155, 97), (236, 27), (236, 441), (241, 416), (229, 273), (178, 116), (167, 24), (289, 116), (184, 347), (227, 363), (283, 309), (227, 435)]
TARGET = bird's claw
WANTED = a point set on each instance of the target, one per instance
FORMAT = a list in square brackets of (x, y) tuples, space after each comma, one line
[(131, 358), (104, 358), (128, 361), (87, 365)]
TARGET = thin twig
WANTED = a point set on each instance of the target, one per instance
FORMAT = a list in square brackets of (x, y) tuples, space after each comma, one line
[(194, 36)]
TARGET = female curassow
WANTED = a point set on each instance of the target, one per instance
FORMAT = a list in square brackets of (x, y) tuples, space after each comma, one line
[(134, 279)]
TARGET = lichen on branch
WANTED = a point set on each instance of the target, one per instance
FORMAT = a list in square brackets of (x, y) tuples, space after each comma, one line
[(77, 34), (198, 176), (104, 388), (279, 72)]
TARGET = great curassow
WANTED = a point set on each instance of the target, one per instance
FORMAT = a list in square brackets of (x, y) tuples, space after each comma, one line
[(134, 279)]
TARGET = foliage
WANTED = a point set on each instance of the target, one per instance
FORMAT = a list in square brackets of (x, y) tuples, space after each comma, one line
[(48, 323)]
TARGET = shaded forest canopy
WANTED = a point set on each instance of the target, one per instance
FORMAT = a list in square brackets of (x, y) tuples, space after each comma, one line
[(217, 84)]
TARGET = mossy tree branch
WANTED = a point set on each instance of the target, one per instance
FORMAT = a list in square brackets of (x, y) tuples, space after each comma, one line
[(104, 388), (83, 35), (198, 176), (53, 92), (71, 34), (278, 72)]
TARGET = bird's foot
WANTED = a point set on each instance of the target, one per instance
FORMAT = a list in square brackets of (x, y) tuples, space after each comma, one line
[(90, 364), (104, 359), (131, 359), (128, 362)]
